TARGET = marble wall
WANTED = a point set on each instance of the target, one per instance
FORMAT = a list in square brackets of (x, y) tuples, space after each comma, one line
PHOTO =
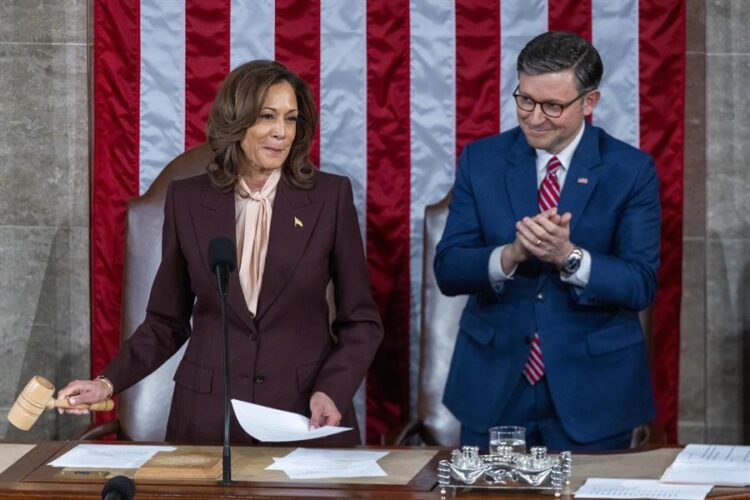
[(44, 186), (692, 400), (716, 271), (44, 202), (727, 223)]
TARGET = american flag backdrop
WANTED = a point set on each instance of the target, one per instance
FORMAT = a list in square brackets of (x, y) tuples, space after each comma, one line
[(401, 86)]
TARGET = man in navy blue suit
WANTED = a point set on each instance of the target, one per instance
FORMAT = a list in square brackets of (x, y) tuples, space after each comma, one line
[(553, 232)]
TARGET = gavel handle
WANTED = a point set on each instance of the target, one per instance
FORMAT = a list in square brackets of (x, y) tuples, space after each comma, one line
[(105, 405)]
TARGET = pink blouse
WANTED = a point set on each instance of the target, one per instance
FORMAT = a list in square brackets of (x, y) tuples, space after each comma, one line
[(253, 218)]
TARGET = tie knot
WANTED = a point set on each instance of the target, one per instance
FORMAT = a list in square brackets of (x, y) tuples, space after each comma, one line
[(553, 165)]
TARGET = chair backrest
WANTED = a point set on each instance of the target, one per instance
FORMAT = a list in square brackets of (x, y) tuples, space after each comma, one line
[(440, 316), (144, 408)]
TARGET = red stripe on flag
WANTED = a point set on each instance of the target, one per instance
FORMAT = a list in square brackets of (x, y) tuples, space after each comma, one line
[(298, 47), (662, 107), (115, 167), (207, 31), (477, 70), (570, 15), (388, 201)]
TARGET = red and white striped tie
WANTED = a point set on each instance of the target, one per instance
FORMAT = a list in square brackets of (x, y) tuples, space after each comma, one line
[(534, 368), (549, 191), (549, 195)]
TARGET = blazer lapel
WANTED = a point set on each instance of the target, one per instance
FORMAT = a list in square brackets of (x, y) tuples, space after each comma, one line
[(521, 179), (581, 178), (292, 223), (521, 183), (215, 216)]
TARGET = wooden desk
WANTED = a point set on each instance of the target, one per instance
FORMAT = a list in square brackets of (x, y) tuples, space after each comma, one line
[(30, 477)]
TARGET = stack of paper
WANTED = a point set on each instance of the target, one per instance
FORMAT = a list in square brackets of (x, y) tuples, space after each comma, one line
[(640, 488), (720, 465), (305, 463), (108, 456)]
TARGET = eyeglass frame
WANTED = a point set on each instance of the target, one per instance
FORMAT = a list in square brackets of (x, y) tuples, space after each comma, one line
[(563, 106)]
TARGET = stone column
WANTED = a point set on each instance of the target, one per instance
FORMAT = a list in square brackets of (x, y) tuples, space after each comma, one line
[(44, 202)]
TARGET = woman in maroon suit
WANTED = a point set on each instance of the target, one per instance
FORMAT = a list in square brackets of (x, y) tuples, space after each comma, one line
[(295, 229)]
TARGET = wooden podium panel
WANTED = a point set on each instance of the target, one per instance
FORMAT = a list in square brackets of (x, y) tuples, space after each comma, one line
[(30, 477)]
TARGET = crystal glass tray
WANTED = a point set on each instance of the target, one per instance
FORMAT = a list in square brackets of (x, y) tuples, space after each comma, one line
[(510, 471)]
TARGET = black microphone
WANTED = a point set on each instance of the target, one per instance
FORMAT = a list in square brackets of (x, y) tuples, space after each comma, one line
[(222, 261), (119, 488)]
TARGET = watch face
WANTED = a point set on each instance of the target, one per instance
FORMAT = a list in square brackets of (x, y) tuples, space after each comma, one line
[(572, 266), (572, 262)]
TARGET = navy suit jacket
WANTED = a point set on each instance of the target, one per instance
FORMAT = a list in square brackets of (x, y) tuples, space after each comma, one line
[(594, 351)]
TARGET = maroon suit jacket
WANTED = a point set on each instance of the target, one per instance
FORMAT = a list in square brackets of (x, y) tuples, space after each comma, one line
[(284, 353)]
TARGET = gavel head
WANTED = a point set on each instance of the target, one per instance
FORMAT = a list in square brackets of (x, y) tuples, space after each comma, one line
[(32, 401)]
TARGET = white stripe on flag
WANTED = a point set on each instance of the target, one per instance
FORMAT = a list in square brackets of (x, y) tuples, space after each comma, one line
[(343, 95), (252, 33), (519, 23), (343, 112), (615, 35), (162, 85), (432, 91)]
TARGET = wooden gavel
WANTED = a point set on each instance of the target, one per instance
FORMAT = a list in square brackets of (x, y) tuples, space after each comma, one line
[(37, 397)]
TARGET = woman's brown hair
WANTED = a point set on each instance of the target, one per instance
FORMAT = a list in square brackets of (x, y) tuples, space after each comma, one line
[(236, 108)]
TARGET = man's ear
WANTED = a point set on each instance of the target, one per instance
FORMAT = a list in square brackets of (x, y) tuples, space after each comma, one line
[(590, 101)]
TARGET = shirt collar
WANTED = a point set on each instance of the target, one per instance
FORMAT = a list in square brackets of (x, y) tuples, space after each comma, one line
[(268, 191), (565, 156)]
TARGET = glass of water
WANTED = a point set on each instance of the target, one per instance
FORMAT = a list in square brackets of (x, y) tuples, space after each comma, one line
[(507, 435)]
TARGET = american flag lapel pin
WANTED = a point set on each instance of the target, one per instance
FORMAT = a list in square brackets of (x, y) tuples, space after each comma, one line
[(583, 180), (298, 223)]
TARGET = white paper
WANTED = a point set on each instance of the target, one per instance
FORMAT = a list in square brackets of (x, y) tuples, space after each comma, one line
[(314, 454), (108, 456), (305, 463), (714, 454), (640, 488), (719, 465), (271, 425)]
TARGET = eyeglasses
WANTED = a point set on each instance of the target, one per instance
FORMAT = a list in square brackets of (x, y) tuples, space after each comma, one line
[(551, 109)]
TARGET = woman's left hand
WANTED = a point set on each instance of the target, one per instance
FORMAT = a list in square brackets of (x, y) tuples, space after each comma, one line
[(323, 411)]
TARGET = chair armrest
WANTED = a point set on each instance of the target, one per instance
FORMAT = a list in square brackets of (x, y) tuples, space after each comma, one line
[(99, 431), (401, 435), (647, 435)]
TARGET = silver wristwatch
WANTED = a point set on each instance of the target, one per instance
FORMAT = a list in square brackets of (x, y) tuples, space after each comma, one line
[(572, 262)]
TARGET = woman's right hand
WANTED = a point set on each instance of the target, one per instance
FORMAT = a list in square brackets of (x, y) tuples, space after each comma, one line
[(83, 392)]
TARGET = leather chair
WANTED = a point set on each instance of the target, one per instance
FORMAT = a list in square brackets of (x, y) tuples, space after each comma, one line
[(143, 409), (434, 424)]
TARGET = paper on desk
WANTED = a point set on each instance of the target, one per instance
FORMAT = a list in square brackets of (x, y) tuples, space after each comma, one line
[(313, 454), (271, 425), (714, 453), (640, 488), (720, 465), (108, 456), (305, 463)]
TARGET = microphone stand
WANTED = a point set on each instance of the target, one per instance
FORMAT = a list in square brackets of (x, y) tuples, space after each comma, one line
[(226, 477)]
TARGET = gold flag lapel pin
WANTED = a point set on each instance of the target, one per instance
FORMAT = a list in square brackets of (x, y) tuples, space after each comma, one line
[(298, 223)]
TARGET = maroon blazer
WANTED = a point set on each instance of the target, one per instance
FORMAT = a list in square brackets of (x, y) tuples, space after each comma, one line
[(284, 353)]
